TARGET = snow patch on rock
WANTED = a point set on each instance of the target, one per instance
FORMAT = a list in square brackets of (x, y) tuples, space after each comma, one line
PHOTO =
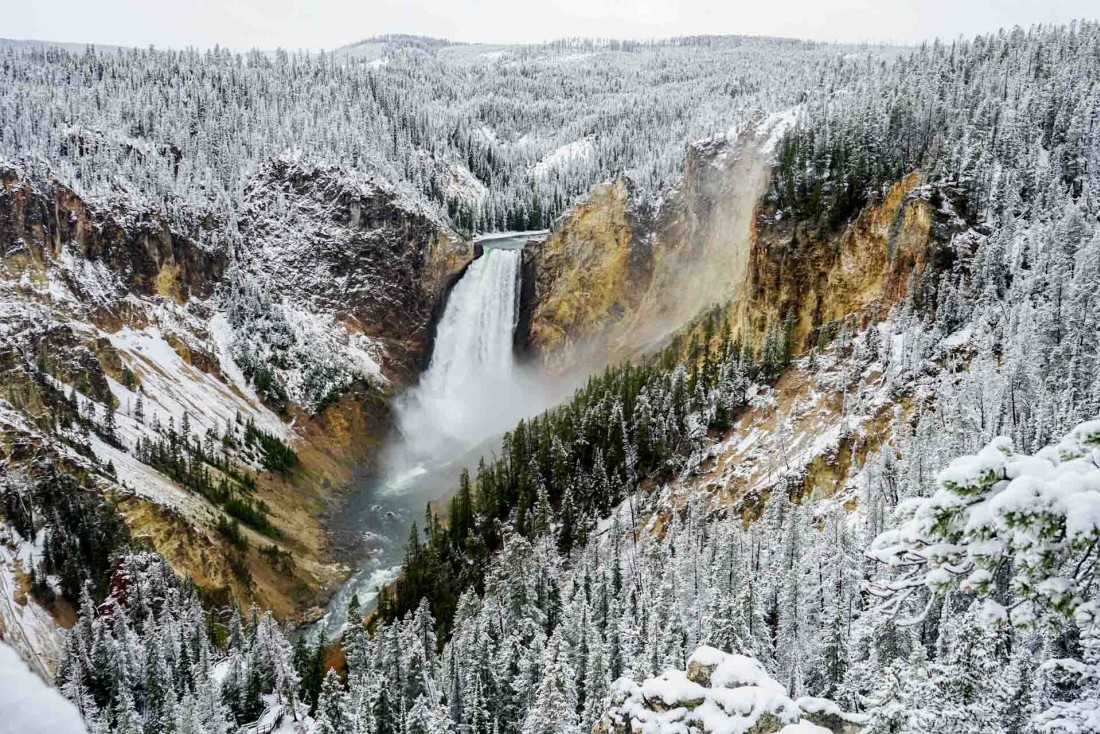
[(719, 693)]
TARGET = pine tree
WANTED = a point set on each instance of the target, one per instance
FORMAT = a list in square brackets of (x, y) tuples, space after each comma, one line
[(160, 698), (109, 423), (554, 709), (73, 688), (333, 715), (126, 718), (543, 514)]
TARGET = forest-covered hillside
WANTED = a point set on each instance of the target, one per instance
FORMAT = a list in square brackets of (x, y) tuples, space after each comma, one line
[(891, 525), (494, 139)]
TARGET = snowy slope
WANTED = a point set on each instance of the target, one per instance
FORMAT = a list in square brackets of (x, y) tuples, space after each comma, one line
[(27, 626), (29, 704), (574, 153)]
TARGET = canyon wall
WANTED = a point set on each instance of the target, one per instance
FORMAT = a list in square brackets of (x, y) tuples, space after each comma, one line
[(103, 307), (618, 276)]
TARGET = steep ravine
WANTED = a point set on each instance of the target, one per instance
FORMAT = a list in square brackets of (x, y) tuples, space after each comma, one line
[(810, 432), (115, 304), (469, 394), (349, 257)]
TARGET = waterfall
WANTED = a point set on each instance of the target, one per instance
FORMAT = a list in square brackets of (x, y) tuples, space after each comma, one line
[(470, 390)]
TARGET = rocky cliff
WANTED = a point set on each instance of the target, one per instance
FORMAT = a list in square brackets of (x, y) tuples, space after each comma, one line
[(617, 276), (819, 276), (587, 277), (49, 236), (115, 325), (348, 244), (70, 275)]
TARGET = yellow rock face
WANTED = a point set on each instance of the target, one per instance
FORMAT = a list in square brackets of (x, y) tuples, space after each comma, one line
[(824, 277), (615, 279), (167, 282), (584, 279), (611, 283)]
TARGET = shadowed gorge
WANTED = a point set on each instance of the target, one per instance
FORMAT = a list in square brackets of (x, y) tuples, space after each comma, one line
[(472, 391)]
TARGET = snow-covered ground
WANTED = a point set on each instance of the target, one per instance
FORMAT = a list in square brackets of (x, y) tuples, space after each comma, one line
[(805, 416), (775, 126), (576, 151), (531, 234), (28, 705), (146, 482), (170, 387)]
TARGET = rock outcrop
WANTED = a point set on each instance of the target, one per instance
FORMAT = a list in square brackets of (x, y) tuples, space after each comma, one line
[(49, 235), (820, 277), (719, 693), (590, 274), (70, 273)]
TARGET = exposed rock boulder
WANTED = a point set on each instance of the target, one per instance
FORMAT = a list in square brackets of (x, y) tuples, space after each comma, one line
[(719, 693), (823, 712)]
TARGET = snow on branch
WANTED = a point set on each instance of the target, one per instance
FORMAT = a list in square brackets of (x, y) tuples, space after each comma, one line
[(1034, 520)]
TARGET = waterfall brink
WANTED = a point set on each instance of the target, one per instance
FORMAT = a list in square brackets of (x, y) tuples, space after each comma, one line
[(475, 334), (470, 390)]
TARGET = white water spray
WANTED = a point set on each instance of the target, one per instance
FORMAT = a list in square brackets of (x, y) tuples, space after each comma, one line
[(471, 389)]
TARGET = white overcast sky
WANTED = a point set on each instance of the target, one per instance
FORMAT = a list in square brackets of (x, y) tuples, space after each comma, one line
[(242, 24)]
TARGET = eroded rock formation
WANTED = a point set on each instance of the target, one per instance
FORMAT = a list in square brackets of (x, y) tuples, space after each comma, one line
[(617, 276)]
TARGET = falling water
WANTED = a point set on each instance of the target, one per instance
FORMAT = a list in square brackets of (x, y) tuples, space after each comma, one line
[(471, 392)]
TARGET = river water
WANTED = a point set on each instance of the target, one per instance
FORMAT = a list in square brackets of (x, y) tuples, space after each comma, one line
[(471, 393)]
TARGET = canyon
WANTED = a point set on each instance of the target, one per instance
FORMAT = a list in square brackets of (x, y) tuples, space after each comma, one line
[(367, 275)]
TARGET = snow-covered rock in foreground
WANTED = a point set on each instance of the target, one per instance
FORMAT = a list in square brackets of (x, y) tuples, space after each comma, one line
[(29, 704), (1041, 513), (720, 693)]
